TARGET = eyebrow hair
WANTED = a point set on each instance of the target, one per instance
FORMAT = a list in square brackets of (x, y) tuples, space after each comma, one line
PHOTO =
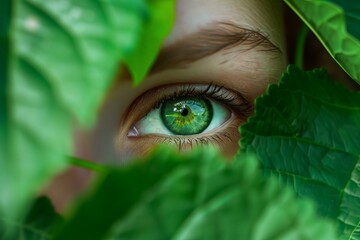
[(210, 40)]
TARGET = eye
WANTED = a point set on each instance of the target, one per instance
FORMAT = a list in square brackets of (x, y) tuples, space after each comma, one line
[(184, 115), (187, 113)]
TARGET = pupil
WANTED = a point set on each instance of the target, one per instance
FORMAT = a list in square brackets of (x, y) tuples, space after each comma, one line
[(184, 112)]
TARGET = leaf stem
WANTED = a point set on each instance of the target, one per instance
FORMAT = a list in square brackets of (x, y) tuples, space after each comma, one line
[(300, 45), (92, 166)]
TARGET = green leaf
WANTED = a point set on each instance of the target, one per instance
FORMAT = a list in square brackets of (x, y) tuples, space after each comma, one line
[(78, 45), (197, 196), (38, 224), (352, 15), (327, 21), (159, 24), (5, 16), (60, 62), (306, 132)]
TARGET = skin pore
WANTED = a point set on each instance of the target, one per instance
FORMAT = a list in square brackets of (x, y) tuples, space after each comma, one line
[(225, 52), (237, 45)]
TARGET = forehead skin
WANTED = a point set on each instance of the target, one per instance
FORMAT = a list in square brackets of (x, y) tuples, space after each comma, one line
[(248, 72), (263, 15)]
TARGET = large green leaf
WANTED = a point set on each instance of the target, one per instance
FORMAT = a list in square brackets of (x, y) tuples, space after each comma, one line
[(62, 58), (77, 45), (37, 225), (162, 14), (306, 132), (197, 196), (327, 21)]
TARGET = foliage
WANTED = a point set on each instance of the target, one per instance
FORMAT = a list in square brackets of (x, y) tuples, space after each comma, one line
[(352, 15), (327, 21), (5, 8), (62, 60), (57, 60), (303, 133), (151, 38), (196, 196), (38, 224)]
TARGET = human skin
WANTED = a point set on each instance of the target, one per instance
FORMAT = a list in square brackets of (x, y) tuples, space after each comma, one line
[(241, 68)]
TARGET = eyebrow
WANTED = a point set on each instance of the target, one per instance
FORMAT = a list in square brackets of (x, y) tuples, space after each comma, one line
[(210, 40)]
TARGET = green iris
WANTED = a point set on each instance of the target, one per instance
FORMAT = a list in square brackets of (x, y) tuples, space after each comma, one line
[(186, 115)]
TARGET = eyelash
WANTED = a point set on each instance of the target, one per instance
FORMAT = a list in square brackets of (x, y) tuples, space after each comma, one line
[(242, 108)]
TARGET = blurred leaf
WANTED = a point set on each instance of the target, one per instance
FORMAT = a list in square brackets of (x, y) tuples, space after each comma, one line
[(62, 59), (196, 196), (77, 45), (159, 24), (37, 225), (306, 132), (327, 21)]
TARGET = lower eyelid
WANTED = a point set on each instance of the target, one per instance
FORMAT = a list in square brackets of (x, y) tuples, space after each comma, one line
[(223, 132), (225, 139)]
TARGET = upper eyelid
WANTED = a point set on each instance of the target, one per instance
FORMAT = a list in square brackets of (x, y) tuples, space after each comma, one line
[(230, 98)]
